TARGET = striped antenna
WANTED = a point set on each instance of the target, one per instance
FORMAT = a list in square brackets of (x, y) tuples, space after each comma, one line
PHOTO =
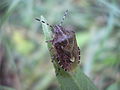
[(44, 22), (65, 14)]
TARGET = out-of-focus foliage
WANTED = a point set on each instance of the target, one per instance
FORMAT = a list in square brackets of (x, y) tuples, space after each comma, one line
[(97, 26)]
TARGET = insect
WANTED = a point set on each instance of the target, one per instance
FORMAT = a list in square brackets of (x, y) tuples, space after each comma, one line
[(67, 52)]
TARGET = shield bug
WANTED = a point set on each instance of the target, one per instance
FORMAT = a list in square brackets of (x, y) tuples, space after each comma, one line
[(66, 50)]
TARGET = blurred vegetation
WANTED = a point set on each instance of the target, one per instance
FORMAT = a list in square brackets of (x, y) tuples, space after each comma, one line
[(24, 57)]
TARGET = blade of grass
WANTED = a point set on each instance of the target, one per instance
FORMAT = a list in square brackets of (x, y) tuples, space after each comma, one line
[(76, 80)]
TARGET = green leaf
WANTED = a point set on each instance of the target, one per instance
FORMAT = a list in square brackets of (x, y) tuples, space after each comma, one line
[(76, 80)]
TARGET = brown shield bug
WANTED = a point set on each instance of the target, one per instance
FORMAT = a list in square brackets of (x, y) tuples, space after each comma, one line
[(66, 50)]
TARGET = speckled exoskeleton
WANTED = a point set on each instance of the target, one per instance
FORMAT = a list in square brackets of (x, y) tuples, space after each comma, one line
[(66, 50)]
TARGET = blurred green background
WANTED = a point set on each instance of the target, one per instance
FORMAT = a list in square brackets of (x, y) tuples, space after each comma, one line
[(24, 58)]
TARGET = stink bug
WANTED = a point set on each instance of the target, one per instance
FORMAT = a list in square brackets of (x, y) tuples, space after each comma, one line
[(66, 50)]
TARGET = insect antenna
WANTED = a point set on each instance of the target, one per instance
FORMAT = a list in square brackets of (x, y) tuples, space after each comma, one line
[(65, 14), (44, 22)]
